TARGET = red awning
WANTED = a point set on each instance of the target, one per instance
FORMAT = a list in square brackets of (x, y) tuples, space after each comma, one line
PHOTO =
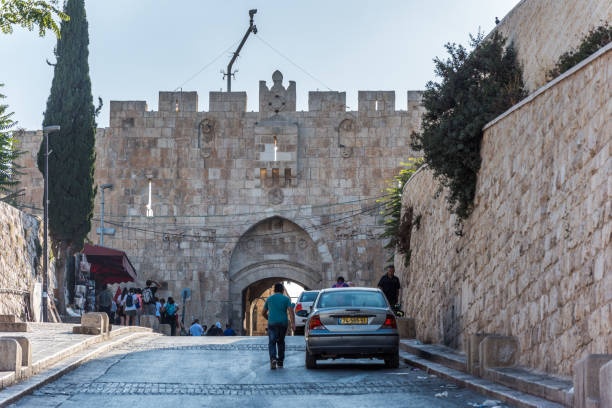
[(109, 265)]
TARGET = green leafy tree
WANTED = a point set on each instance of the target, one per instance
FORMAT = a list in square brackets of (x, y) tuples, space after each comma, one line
[(475, 87), (398, 228), (8, 151), (595, 39), (71, 163), (30, 14)]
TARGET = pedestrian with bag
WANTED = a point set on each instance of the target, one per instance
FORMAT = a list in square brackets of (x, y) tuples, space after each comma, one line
[(170, 311), (130, 307), (148, 297), (279, 313)]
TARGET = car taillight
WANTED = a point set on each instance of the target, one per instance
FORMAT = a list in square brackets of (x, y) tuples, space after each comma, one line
[(390, 322), (298, 307), (315, 323)]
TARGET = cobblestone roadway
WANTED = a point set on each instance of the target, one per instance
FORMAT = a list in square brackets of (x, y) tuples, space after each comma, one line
[(233, 372)]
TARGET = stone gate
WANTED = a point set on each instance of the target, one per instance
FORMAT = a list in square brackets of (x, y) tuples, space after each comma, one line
[(239, 198)]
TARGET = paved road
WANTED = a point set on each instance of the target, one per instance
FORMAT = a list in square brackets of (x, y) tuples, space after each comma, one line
[(234, 372)]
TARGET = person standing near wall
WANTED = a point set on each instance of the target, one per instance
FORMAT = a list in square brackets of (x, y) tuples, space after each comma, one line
[(390, 285), (276, 309), (148, 297), (105, 301)]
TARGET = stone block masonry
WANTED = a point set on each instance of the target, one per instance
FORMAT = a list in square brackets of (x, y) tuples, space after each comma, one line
[(535, 257), (239, 198), (542, 30), (20, 266)]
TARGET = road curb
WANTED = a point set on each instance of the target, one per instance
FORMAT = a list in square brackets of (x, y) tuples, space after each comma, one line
[(485, 387), (20, 390)]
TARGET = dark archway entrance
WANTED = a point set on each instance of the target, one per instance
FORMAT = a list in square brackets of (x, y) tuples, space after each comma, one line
[(273, 250), (254, 298)]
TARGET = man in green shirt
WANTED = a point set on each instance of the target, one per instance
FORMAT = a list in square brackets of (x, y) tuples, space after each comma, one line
[(276, 309)]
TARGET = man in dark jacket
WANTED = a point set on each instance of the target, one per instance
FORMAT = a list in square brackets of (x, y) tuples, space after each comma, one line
[(390, 285)]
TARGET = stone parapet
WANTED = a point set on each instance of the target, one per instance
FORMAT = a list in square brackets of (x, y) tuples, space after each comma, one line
[(587, 389)]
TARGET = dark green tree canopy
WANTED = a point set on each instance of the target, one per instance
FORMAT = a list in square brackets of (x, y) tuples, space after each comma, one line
[(475, 87), (70, 105), (8, 150)]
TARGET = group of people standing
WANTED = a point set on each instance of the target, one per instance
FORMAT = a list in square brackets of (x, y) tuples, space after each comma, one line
[(128, 304)]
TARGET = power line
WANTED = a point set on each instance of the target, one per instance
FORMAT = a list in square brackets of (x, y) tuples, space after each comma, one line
[(298, 209), (206, 66), (248, 214), (230, 238), (288, 59)]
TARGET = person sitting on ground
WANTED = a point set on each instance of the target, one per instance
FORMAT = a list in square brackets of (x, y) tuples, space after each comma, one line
[(228, 330), (205, 328), (148, 297), (215, 330), (196, 329), (340, 283)]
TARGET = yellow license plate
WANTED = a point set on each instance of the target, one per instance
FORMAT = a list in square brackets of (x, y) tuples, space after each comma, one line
[(353, 320)]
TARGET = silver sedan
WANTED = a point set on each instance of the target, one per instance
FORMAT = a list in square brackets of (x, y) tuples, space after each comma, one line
[(352, 323)]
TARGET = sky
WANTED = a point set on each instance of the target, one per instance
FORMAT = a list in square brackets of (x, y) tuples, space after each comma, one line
[(140, 47)]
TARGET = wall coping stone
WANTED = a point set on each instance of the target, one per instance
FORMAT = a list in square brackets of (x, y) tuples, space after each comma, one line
[(540, 91)]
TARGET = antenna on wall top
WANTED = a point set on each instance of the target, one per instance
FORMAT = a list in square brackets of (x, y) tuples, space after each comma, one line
[(252, 28)]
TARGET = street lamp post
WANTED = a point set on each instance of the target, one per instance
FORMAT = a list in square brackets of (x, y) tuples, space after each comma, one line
[(102, 230), (46, 131)]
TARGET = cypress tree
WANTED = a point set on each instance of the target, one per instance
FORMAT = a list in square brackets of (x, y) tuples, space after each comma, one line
[(71, 163)]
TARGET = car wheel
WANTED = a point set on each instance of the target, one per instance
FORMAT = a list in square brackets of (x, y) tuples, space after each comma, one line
[(311, 360), (392, 361)]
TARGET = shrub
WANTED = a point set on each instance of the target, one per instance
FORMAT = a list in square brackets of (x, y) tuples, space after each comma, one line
[(475, 87), (591, 43)]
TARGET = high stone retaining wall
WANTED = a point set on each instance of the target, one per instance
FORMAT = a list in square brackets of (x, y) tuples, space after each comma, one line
[(535, 258), (20, 263), (542, 30)]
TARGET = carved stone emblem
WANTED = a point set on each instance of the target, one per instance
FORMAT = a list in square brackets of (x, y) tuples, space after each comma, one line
[(276, 196), (346, 152), (207, 130)]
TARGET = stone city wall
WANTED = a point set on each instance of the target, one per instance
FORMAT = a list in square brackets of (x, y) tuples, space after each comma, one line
[(20, 264), (238, 197), (535, 258), (542, 30)]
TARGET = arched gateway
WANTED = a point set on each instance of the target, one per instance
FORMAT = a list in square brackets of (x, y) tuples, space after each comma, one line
[(272, 250)]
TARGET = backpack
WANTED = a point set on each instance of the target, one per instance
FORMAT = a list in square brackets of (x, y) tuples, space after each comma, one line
[(170, 309), (129, 300), (147, 295)]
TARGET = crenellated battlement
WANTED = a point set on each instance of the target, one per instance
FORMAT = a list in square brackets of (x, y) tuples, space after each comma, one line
[(273, 100)]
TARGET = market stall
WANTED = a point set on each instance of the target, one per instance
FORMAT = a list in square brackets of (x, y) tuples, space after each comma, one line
[(97, 265)]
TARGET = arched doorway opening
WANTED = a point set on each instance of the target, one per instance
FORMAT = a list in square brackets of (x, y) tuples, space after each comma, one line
[(275, 249), (254, 298)]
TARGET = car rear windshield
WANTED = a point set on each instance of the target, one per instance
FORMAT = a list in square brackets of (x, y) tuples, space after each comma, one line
[(351, 298), (309, 296)]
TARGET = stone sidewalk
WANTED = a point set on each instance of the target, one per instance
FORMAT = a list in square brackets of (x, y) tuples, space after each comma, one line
[(54, 342)]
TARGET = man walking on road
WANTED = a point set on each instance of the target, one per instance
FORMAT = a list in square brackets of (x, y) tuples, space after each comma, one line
[(276, 309), (390, 285)]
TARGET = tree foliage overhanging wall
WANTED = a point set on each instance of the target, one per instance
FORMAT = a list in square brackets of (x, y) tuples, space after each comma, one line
[(71, 163), (591, 43), (475, 87)]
